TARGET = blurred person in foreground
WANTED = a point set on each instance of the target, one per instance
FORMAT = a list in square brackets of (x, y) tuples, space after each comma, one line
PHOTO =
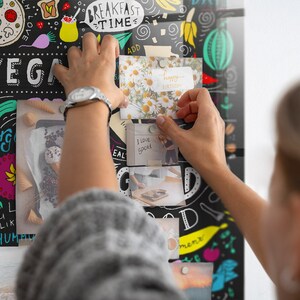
[(100, 245)]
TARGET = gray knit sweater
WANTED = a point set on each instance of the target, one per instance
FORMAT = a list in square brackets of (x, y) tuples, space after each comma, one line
[(98, 245)]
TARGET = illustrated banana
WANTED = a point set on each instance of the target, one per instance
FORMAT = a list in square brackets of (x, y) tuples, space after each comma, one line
[(168, 4), (189, 28)]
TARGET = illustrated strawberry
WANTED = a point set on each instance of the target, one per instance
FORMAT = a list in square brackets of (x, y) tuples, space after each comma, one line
[(40, 24), (66, 6)]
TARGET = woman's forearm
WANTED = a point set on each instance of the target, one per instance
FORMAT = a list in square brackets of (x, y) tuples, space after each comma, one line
[(86, 159), (246, 207)]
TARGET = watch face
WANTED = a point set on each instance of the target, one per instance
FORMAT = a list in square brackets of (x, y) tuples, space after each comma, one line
[(82, 94)]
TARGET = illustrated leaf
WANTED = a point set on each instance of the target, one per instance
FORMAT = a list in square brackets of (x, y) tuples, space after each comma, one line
[(123, 38), (11, 179), (12, 168), (9, 175), (49, 9)]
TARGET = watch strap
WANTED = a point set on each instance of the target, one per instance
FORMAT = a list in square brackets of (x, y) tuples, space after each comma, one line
[(98, 96)]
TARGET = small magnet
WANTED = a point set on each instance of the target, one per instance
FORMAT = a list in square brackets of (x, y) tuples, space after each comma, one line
[(153, 128), (163, 63), (185, 270), (62, 109)]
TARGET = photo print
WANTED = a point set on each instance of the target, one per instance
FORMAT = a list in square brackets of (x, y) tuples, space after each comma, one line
[(195, 279), (10, 262), (155, 84), (40, 132), (146, 145), (170, 227), (156, 186)]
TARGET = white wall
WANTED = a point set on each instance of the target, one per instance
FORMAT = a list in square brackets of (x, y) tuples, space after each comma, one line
[(272, 65)]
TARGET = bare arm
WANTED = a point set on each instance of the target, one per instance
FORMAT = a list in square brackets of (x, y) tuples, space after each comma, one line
[(203, 147), (86, 159), (140, 185), (246, 207)]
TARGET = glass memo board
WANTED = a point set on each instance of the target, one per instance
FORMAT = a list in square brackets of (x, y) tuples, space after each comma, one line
[(36, 34)]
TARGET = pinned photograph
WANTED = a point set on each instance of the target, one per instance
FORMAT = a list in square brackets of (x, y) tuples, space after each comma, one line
[(40, 133), (146, 144), (195, 279), (154, 85), (156, 186), (170, 226)]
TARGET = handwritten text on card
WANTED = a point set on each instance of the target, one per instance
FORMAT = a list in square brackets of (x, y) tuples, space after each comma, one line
[(172, 79)]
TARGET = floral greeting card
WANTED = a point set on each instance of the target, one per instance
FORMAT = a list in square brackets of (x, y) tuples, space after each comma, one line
[(155, 84)]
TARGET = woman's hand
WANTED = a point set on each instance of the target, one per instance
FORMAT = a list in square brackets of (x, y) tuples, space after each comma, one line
[(203, 145), (94, 65)]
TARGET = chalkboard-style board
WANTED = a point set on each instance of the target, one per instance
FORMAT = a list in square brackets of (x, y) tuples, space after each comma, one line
[(34, 35)]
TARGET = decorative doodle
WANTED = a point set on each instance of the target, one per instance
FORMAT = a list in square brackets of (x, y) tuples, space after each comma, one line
[(7, 107), (40, 24), (49, 9), (224, 274), (218, 48), (123, 38), (229, 245), (197, 240), (189, 28), (66, 6), (7, 176), (212, 254), (207, 19), (143, 32), (226, 105), (42, 41), (69, 30), (208, 80), (218, 216), (168, 4), (12, 25)]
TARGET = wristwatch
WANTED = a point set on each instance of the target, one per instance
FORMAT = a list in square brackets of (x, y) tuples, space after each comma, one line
[(84, 96)]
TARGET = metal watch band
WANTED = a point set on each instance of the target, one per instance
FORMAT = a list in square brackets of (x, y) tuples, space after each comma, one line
[(98, 96)]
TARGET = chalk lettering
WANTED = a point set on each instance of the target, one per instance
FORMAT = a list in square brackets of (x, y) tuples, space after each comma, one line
[(51, 78), (6, 137), (36, 80), (11, 71), (189, 215), (191, 191), (114, 15), (7, 238)]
